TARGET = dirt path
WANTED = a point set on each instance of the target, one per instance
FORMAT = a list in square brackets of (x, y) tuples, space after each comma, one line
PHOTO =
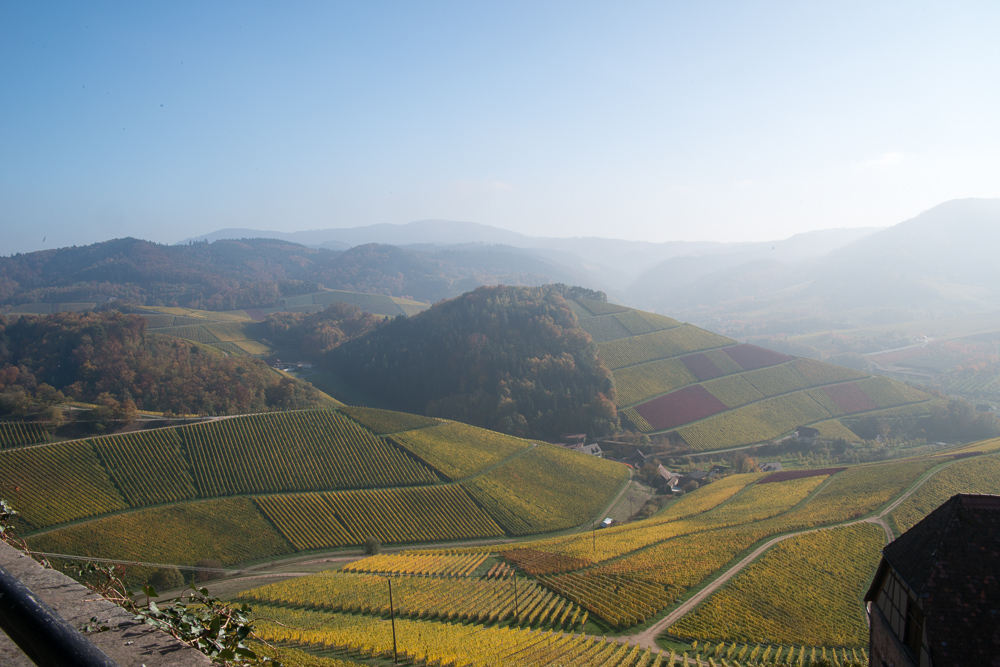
[(916, 485), (880, 522), (647, 638), (607, 510)]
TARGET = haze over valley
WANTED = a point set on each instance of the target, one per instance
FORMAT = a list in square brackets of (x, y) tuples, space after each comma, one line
[(619, 335)]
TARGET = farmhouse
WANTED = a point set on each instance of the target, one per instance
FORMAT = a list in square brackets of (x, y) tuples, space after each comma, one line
[(936, 594), (672, 479), (770, 466), (667, 475), (638, 459)]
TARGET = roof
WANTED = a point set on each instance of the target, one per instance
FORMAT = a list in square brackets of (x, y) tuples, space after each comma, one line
[(950, 559), (666, 474), (806, 431)]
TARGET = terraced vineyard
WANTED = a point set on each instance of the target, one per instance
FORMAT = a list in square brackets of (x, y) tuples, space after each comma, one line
[(232, 332), (315, 479), (128, 457), (758, 421), (716, 393), (804, 591), (974, 475), (229, 530), (393, 516), (299, 451), (659, 345), (224, 331), (446, 643), (457, 603), (751, 503), (441, 565), (465, 599), (800, 600), (53, 484), (620, 600), (15, 434), (381, 422), (638, 383)]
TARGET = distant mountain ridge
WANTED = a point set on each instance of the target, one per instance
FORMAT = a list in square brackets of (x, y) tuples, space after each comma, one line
[(261, 273), (611, 263), (939, 264)]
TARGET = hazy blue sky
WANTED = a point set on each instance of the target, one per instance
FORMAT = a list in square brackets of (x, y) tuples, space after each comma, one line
[(642, 120)]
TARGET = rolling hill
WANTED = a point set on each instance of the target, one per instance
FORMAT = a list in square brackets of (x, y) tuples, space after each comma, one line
[(717, 393), (490, 346), (254, 487)]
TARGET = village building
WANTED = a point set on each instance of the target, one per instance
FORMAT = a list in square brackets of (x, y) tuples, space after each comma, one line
[(935, 599), (672, 480)]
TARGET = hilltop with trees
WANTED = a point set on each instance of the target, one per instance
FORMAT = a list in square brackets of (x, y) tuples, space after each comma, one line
[(512, 359), (109, 359)]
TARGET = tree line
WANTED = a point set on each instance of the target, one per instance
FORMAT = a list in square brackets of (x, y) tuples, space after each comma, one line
[(109, 359)]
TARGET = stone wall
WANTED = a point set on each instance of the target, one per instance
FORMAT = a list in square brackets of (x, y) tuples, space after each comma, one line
[(127, 642)]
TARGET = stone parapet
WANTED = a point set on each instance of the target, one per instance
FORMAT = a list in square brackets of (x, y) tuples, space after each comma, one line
[(127, 642)]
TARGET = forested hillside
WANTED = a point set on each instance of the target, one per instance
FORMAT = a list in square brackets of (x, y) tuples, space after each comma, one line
[(111, 359), (256, 273), (512, 359)]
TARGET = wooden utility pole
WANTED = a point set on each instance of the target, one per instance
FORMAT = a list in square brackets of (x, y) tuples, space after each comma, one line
[(517, 613), (392, 619)]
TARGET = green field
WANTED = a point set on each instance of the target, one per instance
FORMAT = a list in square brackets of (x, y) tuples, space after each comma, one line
[(458, 450), (229, 530), (533, 493)]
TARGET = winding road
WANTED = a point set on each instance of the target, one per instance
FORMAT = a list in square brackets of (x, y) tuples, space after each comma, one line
[(647, 637)]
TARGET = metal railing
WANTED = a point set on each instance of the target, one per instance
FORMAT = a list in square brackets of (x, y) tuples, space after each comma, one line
[(44, 636)]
